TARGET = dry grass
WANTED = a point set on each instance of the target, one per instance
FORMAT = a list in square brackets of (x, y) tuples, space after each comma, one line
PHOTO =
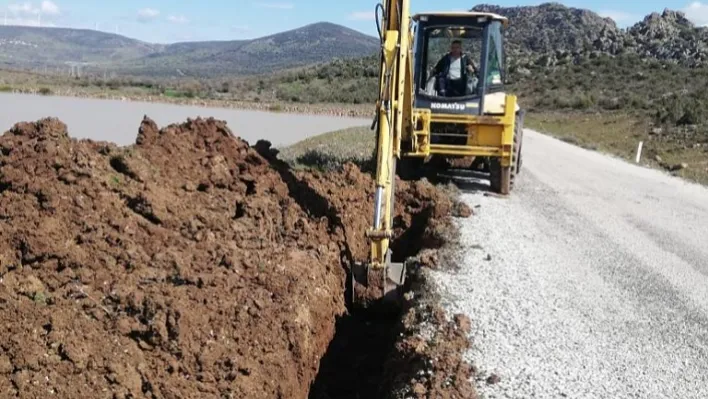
[(330, 151), (607, 132), (619, 134)]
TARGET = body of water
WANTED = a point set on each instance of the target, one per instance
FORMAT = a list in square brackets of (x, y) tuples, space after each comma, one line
[(118, 121)]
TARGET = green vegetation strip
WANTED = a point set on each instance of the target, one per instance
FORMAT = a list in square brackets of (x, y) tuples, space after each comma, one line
[(330, 151)]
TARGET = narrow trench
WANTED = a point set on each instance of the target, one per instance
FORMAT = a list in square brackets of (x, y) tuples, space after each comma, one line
[(354, 365)]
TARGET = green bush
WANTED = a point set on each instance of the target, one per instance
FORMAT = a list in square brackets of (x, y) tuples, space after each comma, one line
[(682, 110)]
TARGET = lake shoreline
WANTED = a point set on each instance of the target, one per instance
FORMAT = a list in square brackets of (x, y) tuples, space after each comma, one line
[(325, 109), (117, 121)]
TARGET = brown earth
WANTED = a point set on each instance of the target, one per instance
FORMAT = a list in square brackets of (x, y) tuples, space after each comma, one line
[(187, 265)]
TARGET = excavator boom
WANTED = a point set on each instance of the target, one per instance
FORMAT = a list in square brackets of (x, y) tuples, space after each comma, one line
[(381, 278)]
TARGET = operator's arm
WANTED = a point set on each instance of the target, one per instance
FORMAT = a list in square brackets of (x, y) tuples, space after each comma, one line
[(471, 67), (439, 66)]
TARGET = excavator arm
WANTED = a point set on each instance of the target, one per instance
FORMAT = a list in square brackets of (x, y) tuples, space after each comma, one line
[(380, 278)]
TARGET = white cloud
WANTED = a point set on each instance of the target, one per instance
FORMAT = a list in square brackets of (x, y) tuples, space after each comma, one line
[(177, 19), (362, 16), (29, 14), (697, 12), (45, 8), (50, 8), (280, 6), (22, 9), (147, 14)]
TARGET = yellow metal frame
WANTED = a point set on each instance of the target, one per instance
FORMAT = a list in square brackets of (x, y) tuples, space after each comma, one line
[(397, 120), (467, 14), (487, 135), (393, 109)]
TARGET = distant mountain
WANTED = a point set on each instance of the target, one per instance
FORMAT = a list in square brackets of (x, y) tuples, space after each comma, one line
[(310, 44), (670, 36), (27, 47), (30, 47), (552, 33)]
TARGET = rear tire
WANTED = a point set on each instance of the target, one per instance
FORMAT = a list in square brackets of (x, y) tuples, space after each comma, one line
[(516, 150), (501, 178), (519, 138)]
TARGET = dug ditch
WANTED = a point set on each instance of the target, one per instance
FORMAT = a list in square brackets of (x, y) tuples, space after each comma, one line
[(191, 264)]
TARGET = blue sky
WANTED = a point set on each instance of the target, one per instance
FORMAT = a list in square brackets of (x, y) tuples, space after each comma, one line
[(169, 21)]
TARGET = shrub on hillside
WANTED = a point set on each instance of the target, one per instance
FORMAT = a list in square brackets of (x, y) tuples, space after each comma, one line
[(682, 109)]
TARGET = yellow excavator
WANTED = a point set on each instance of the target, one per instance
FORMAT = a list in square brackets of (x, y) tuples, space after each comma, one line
[(429, 109)]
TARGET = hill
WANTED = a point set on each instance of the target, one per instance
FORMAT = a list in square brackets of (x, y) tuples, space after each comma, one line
[(552, 33), (314, 43), (31, 47), (552, 27)]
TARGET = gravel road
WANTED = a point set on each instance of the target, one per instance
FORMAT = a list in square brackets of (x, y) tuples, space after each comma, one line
[(597, 285)]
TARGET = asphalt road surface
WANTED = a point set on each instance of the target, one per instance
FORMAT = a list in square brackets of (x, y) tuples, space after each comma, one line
[(597, 285)]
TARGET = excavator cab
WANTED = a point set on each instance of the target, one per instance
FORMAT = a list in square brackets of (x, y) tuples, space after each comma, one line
[(480, 40), (480, 122)]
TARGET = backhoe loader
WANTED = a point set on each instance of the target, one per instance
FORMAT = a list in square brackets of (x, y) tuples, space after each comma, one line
[(418, 118)]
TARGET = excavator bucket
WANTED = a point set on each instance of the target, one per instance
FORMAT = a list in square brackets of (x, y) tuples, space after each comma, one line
[(380, 287)]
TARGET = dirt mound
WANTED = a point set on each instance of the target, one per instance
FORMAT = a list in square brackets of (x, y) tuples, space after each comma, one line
[(187, 265), (180, 267)]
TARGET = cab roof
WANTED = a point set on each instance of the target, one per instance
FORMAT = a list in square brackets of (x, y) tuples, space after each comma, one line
[(464, 14)]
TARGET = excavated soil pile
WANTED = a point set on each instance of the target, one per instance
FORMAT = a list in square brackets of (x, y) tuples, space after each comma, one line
[(188, 265)]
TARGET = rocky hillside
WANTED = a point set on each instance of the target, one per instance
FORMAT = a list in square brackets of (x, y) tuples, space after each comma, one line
[(553, 27), (551, 33), (670, 36)]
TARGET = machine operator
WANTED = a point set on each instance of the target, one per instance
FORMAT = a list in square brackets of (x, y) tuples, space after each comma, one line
[(452, 71)]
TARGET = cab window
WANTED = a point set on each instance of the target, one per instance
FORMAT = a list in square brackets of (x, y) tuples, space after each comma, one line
[(494, 70)]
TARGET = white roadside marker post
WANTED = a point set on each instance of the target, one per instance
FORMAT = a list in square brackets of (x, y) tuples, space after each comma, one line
[(639, 151)]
